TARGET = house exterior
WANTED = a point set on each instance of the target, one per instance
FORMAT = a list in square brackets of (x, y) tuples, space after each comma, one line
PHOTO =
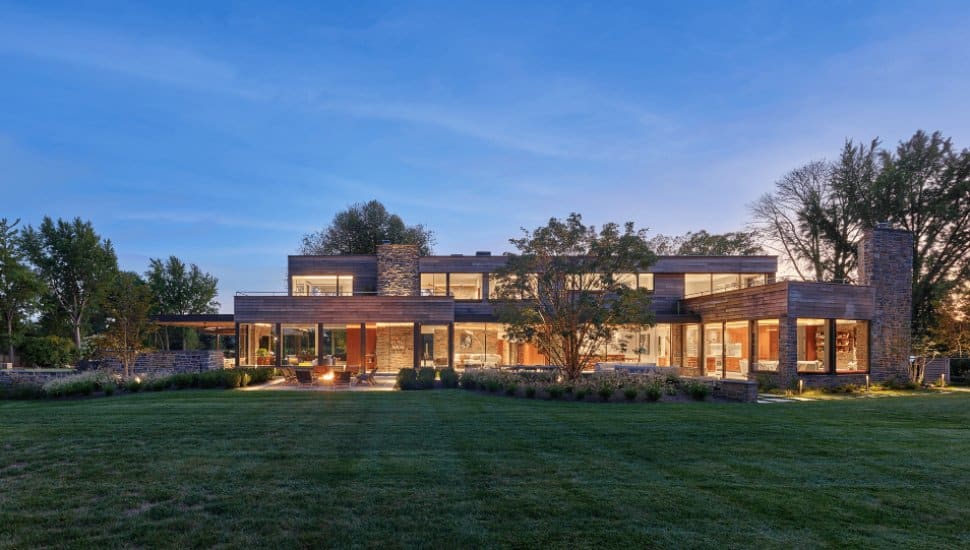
[(724, 316)]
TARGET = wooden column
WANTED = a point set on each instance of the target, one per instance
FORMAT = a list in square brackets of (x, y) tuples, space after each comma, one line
[(319, 343), (451, 345), (237, 344), (363, 347), (279, 344), (417, 345)]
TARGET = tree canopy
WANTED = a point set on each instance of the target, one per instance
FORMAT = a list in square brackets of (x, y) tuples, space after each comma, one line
[(363, 226), (181, 290), (702, 243), (75, 264), (565, 291), (19, 288), (128, 304), (816, 214)]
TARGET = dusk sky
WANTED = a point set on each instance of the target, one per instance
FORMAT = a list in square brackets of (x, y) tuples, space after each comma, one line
[(222, 133)]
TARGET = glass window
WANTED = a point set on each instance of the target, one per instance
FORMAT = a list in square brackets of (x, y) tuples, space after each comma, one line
[(333, 345), (299, 345), (697, 284), (394, 346), (749, 280), (495, 284), (466, 286), (851, 346), (434, 346), (736, 353), (813, 345), (434, 284), (324, 285), (628, 280), (722, 282), (691, 346), (257, 344), (713, 349), (767, 341), (646, 281)]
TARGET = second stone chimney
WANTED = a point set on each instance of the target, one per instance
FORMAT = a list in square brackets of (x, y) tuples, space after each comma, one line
[(397, 270)]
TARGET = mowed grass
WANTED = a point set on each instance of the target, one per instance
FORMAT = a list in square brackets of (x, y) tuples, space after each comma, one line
[(456, 469)]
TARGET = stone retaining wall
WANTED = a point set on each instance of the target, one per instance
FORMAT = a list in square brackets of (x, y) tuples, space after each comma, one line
[(31, 377), (745, 391), (166, 363)]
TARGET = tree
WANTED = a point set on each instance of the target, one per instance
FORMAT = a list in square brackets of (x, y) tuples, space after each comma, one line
[(953, 327), (181, 290), (702, 243), (75, 264), (564, 292), (19, 288), (817, 212), (363, 226), (128, 305)]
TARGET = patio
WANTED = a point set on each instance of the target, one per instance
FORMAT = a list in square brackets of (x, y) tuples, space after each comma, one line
[(382, 382)]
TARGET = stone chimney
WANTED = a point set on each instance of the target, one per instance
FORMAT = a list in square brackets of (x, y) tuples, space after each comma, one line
[(397, 270), (886, 265)]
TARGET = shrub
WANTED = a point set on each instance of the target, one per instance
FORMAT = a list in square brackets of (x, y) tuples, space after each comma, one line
[(449, 378), (511, 388), (697, 390), (468, 381), (426, 378), (555, 391), (580, 393), (109, 389), (492, 385), (48, 351), (22, 391), (132, 385), (630, 393), (530, 391), (653, 391), (407, 379), (605, 391), (84, 383)]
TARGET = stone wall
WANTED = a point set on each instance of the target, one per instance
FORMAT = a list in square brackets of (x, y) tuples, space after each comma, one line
[(397, 270), (745, 391), (165, 363), (886, 265), (394, 347), (31, 377)]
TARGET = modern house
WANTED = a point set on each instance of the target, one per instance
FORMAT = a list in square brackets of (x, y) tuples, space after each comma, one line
[(721, 316)]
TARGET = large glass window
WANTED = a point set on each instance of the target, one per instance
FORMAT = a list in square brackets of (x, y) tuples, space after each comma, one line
[(394, 345), (749, 280), (466, 286), (713, 349), (736, 353), (299, 345), (323, 285), (476, 345), (697, 284), (628, 280), (646, 281), (767, 341), (812, 345), (723, 282), (434, 346), (851, 346), (434, 284), (257, 344), (333, 345), (691, 346)]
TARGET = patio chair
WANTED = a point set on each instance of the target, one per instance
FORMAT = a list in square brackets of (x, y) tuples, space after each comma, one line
[(289, 376), (342, 378), (368, 377), (304, 376)]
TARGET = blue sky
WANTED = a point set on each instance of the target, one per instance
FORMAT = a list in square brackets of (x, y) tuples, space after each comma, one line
[(222, 133)]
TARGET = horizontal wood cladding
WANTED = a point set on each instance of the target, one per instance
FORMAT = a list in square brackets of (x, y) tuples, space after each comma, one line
[(794, 299), (715, 264), (460, 264), (363, 266), (664, 264), (749, 303), (668, 289), (830, 301), (344, 309)]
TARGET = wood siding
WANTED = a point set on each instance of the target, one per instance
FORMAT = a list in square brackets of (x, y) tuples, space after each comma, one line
[(344, 309), (793, 299), (668, 289)]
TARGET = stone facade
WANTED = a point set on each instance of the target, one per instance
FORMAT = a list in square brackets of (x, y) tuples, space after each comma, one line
[(165, 363), (31, 377), (397, 270), (745, 391), (886, 265), (394, 347)]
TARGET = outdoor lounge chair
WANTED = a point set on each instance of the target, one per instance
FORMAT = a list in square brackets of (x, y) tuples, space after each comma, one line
[(304, 376), (289, 376), (342, 378), (367, 377)]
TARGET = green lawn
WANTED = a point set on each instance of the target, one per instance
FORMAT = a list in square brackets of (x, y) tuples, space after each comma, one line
[(450, 469)]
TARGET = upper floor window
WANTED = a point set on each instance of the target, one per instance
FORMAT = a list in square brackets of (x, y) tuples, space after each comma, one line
[(323, 285), (434, 284), (700, 284), (466, 286)]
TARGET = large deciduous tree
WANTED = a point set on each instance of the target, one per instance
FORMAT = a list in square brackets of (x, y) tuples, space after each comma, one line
[(564, 292), (363, 226), (128, 305), (181, 290), (74, 263), (816, 213), (19, 287)]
